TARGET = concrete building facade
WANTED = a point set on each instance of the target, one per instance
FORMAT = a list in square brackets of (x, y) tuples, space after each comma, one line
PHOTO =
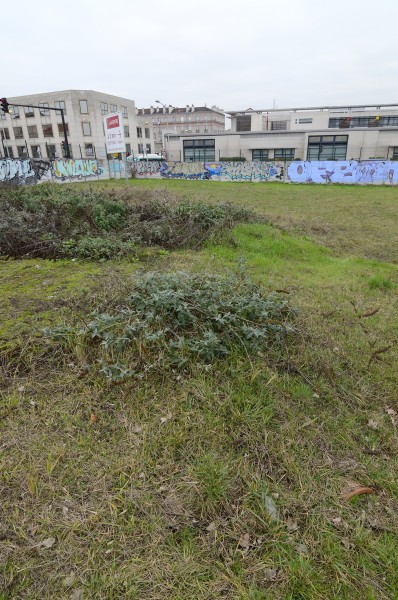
[(38, 132), (316, 134), (188, 120)]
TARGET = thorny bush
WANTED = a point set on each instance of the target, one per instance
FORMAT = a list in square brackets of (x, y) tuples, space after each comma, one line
[(175, 320), (58, 221)]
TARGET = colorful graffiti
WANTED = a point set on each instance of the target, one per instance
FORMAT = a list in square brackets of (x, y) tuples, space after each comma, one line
[(24, 171), (246, 171), (146, 168), (364, 172), (76, 169), (184, 170)]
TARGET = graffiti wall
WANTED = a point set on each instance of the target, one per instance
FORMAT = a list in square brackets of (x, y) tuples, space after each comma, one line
[(30, 172), (364, 172), (216, 171), (68, 169)]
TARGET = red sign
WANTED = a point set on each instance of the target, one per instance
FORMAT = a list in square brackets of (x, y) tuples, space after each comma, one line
[(112, 122)]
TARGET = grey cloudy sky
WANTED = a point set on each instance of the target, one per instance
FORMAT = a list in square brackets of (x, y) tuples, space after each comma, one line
[(233, 53)]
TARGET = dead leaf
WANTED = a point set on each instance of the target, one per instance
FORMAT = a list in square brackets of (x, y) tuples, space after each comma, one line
[(77, 594), (347, 544), (48, 543), (137, 429), (270, 508), (166, 418), (291, 525), (373, 424), (69, 580), (93, 418), (357, 492), (270, 574), (211, 527), (302, 549), (244, 541), (393, 415)]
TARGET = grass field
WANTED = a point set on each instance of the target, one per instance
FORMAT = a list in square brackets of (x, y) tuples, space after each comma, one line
[(229, 483)]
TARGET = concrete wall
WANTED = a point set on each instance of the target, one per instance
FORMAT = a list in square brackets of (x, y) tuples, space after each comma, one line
[(347, 172), (29, 171)]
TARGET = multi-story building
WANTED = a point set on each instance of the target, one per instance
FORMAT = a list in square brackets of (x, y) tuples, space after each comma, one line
[(318, 134), (189, 120), (38, 132)]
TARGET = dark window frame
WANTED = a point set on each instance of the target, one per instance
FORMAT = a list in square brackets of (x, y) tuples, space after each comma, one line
[(202, 150), (263, 154), (284, 154), (315, 148)]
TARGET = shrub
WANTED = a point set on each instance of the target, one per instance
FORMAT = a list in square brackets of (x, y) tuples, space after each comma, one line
[(174, 320), (51, 221)]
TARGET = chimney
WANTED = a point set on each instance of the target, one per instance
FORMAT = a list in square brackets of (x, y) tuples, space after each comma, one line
[(187, 108), (151, 110)]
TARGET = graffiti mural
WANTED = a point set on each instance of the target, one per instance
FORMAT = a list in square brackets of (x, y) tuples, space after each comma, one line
[(147, 168), (246, 171), (75, 169), (184, 170), (24, 171), (364, 172)]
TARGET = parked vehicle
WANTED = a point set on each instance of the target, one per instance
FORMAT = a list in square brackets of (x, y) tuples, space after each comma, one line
[(139, 157)]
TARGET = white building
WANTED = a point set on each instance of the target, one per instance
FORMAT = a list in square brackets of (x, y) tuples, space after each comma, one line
[(38, 132), (166, 119), (317, 134)]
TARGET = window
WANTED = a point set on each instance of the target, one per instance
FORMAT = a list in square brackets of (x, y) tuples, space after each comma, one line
[(15, 112), (86, 128), (8, 153), (139, 132), (61, 129), (128, 149), (126, 131), (51, 153), (36, 151), (124, 112), (29, 111), (147, 132), (2, 115), (278, 125), (32, 131), (199, 150), (148, 148), (47, 130), (244, 123), (395, 153), (22, 152), (5, 134), (284, 154), (60, 104), (140, 149), (83, 107), (389, 121), (327, 147), (89, 149), (44, 112), (18, 133), (259, 154), (113, 108), (104, 108), (305, 121)]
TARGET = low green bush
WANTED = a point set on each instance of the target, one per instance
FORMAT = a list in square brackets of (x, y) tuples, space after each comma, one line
[(176, 320)]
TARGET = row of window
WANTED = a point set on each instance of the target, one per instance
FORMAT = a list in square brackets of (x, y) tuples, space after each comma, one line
[(33, 131), (320, 147), (376, 121), (279, 154), (198, 119), (54, 151), (44, 111)]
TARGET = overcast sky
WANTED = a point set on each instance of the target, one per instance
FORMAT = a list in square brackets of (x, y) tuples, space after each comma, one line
[(234, 54)]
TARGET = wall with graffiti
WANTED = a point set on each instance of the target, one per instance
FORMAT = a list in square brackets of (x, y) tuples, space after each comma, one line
[(29, 171), (216, 171), (364, 172)]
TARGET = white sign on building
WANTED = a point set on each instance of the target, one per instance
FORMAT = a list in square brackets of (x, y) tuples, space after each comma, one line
[(114, 133)]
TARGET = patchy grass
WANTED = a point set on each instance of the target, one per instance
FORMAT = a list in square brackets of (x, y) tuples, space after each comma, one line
[(350, 219), (225, 484)]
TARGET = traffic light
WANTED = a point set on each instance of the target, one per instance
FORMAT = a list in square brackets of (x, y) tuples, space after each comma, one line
[(4, 105)]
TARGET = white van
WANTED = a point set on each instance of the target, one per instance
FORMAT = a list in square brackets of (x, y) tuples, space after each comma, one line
[(139, 157)]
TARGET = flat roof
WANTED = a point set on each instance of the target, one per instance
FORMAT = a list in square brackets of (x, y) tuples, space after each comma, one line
[(309, 108)]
